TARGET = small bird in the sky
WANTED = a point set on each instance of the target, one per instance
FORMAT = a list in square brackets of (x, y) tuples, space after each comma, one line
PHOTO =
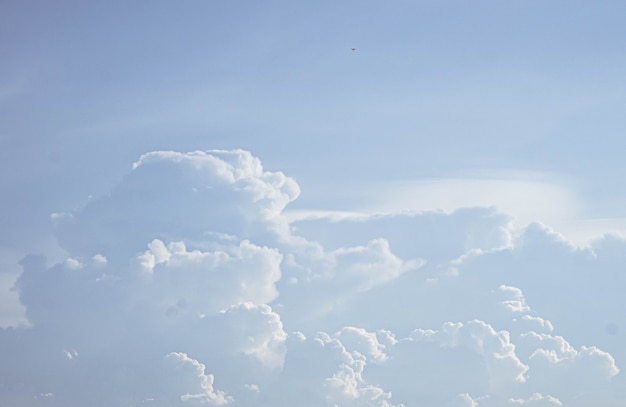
[(353, 49)]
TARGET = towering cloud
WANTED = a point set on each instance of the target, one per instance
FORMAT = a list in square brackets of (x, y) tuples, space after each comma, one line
[(188, 284)]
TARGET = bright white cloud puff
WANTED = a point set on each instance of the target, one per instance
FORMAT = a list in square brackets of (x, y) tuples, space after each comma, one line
[(171, 196), (209, 281), (187, 285), (190, 372)]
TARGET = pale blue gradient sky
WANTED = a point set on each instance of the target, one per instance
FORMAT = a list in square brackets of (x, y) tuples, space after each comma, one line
[(159, 277), (436, 90)]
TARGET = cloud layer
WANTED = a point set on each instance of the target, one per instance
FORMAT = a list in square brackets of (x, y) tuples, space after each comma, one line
[(188, 285)]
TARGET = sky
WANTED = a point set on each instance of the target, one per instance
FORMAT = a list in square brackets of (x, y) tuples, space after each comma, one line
[(331, 203)]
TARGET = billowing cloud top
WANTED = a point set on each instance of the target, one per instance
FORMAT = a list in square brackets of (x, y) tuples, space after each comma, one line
[(173, 195), (239, 169), (189, 285)]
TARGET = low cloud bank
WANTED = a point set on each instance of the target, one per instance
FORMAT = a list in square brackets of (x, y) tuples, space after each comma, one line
[(188, 285)]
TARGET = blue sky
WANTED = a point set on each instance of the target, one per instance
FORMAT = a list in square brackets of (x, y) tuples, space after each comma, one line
[(435, 89), (510, 112)]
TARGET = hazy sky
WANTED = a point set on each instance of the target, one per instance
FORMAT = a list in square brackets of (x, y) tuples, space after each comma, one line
[(299, 222)]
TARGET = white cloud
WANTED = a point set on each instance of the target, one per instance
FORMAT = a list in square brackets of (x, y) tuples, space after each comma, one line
[(191, 377), (256, 331), (330, 370), (271, 191), (348, 388), (527, 197), (434, 235), (464, 400), (99, 259), (12, 312), (191, 257), (556, 364), (516, 301), (364, 342), (537, 400), (365, 267), (173, 195), (70, 354), (504, 368), (208, 281), (569, 286)]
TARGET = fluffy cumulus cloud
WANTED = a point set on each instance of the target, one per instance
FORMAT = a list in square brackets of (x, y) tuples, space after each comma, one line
[(537, 400), (208, 281), (190, 372), (191, 283), (171, 195)]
